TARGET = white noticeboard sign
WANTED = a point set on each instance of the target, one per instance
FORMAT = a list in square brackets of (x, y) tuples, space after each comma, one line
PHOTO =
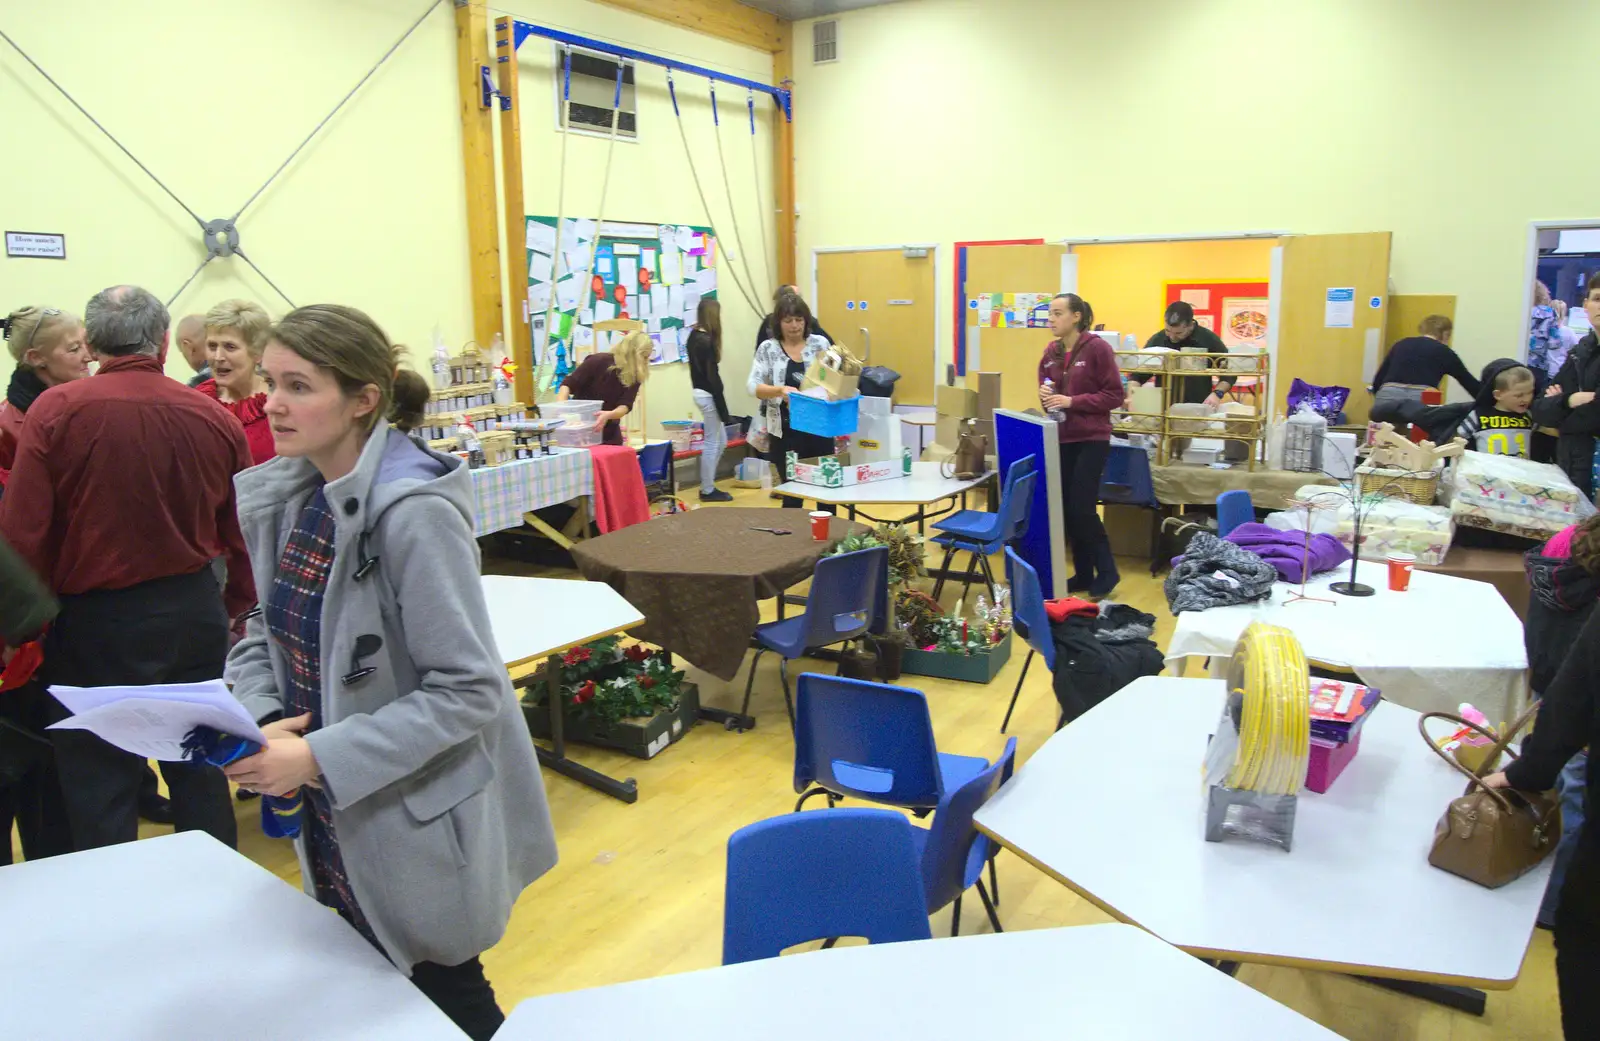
[(1339, 312), (36, 244)]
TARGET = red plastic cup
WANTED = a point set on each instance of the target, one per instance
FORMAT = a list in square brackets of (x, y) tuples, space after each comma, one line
[(1400, 565), (819, 525)]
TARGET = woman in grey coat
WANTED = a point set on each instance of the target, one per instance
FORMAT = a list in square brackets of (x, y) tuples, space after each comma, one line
[(373, 669)]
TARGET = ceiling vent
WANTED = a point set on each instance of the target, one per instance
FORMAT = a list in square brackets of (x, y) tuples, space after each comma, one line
[(824, 41)]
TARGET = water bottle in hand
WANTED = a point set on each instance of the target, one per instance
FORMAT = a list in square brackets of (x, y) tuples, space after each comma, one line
[(1056, 415)]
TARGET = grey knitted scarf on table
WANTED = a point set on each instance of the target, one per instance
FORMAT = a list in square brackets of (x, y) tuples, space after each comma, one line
[(1216, 573)]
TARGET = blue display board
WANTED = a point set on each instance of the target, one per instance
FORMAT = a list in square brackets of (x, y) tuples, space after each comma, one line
[(1016, 436)]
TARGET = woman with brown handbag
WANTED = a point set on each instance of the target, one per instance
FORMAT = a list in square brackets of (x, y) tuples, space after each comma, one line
[(1569, 719), (1079, 385)]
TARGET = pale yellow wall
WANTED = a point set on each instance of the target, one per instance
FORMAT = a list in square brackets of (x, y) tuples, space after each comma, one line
[(1442, 122), (214, 94), (1125, 283)]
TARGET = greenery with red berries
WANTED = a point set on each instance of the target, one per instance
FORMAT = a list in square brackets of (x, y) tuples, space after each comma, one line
[(609, 682)]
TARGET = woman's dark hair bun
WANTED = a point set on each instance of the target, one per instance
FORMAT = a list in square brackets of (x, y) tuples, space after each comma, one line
[(411, 394)]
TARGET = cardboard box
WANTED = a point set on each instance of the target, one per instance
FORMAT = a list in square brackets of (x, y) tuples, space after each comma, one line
[(842, 471), (955, 401), (836, 384), (947, 431), (1130, 529), (987, 384)]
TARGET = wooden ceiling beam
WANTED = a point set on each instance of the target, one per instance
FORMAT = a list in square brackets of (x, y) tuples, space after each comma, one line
[(723, 19)]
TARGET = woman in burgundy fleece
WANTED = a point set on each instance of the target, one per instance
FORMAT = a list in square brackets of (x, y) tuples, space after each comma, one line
[(1085, 386)]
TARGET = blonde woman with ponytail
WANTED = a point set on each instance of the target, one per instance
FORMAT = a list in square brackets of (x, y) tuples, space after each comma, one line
[(49, 348), (373, 670), (613, 379)]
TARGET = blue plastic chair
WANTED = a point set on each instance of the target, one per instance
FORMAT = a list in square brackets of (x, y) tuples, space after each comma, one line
[(1127, 481), (810, 876), (655, 465), (1233, 509), (846, 596), (873, 741), (982, 534), (1029, 621), (952, 849)]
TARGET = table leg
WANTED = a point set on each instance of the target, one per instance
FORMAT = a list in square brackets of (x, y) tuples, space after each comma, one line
[(540, 525), (922, 519), (555, 757), (1462, 999)]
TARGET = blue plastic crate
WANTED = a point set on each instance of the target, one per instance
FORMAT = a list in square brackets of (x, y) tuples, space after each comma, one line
[(824, 418)]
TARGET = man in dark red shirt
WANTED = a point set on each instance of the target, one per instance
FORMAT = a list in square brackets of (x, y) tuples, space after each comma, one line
[(121, 498)]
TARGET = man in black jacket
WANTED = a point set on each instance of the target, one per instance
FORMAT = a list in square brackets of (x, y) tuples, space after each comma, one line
[(30, 791), (1569, 404)]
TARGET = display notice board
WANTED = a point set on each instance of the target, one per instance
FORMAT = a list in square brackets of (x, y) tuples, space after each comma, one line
[(1044, 545), (654, 273)]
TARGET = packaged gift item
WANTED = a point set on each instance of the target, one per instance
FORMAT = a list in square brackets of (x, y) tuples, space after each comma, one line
[(1256, 761), (1396, 526), (1514, 495)]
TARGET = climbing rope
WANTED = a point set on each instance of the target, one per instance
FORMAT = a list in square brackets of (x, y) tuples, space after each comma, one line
[(587, 285), (733, 210), (700, 190), (755, 173), (542, 360)]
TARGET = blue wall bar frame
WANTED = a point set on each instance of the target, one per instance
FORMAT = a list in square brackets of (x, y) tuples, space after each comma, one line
[(522, 30)]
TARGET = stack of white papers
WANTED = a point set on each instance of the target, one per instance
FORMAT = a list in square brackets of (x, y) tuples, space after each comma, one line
[(153, 721)]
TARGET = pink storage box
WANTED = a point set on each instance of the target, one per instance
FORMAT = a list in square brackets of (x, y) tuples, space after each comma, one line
[(1328, 760)]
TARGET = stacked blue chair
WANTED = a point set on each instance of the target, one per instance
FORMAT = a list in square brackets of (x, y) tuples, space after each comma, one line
[(660, 482), (953, 851), (982, 534), (847, 593), (1029, 620), (813, 876), (1127, 481), (873, 741), (1233, 509)]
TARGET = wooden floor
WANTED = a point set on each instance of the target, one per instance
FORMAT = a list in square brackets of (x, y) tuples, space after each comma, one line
[(638, 891)]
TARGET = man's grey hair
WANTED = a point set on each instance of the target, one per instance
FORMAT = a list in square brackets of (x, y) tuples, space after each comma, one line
[(125, 320)]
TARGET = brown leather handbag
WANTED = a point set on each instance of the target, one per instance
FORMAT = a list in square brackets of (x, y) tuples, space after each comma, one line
[(970, 458), (1492, 836)]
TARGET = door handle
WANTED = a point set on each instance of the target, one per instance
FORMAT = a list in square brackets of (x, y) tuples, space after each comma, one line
[(866, 339)]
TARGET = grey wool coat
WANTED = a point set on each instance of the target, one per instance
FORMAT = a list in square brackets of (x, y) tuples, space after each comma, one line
[(438, 804)]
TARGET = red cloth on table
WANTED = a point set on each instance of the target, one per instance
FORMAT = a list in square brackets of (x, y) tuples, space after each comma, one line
[(619, 499), (1060, 610)]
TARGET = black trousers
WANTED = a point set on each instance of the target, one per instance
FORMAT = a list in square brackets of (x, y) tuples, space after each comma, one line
[(803, 445), (170, 630), (1083, 463), (1577, 936), (463, 993), (30, 792)]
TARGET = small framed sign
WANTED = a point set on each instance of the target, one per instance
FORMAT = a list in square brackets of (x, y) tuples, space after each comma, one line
[(36, 244)]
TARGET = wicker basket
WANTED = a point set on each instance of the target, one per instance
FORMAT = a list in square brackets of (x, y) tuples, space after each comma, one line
[(1418, 488)]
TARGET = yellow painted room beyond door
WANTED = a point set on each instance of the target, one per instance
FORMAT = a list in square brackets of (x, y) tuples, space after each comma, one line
[(880, 304)]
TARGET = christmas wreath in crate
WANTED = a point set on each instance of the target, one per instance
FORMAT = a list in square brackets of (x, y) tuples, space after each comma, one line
[(607, 682)]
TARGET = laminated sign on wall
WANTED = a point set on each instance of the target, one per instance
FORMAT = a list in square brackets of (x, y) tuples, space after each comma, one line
[(1340, 310)]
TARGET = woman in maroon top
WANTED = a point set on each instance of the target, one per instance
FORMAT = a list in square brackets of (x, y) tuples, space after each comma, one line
[(612, 378), (236, 334), (1084, 386)]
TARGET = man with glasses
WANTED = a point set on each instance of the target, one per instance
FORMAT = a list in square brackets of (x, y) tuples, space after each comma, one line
[(120, 499)]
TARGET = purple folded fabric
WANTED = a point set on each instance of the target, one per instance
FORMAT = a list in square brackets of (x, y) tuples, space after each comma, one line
[(1288, 551)]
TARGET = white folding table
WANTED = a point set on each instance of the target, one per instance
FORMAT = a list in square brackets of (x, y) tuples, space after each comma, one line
[(535, 618), (926, 486), (1094, 981), (179, 936), (1445, 641), (1113, 807)]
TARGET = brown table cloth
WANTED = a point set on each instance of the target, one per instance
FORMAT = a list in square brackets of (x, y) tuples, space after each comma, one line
[(698, 577)]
